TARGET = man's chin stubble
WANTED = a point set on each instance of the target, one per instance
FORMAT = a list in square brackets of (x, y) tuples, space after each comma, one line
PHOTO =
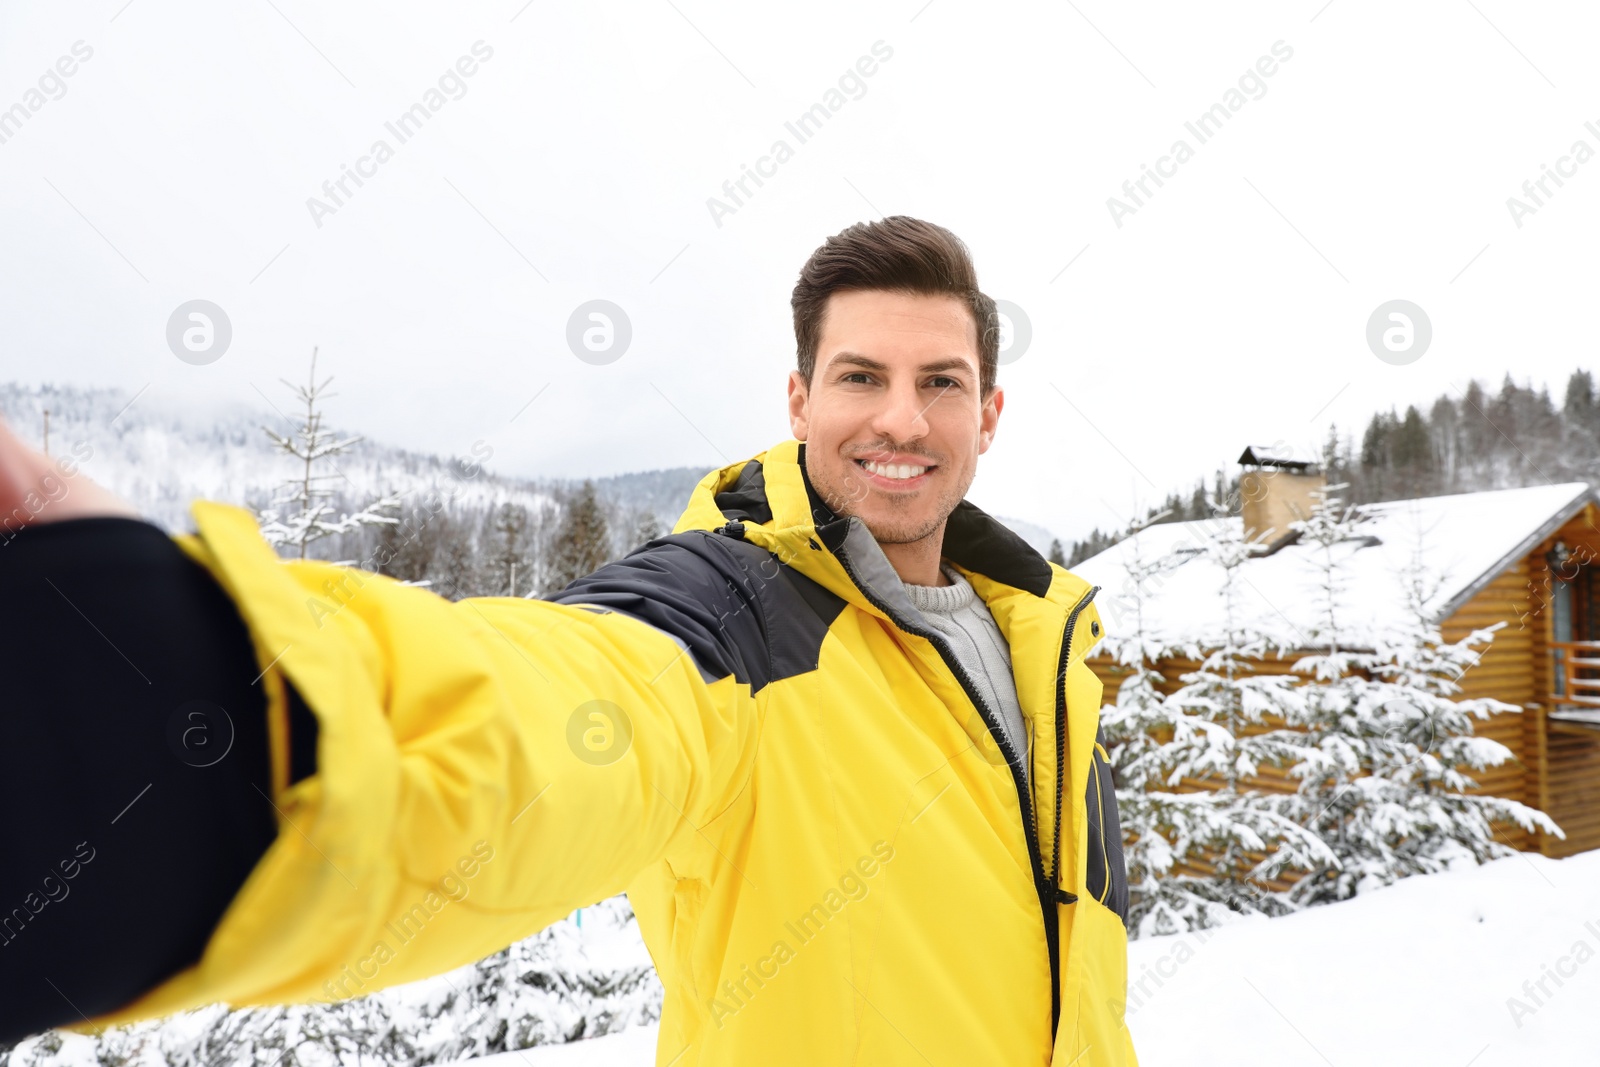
[(891, 530), (898, 532)]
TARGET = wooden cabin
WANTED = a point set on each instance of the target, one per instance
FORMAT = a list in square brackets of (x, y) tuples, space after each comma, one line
[(1526, 558)]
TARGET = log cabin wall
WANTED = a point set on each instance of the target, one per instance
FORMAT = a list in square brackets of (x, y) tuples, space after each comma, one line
[(1563, 759), (1271, 779), (1556, 766), (1506, 672)]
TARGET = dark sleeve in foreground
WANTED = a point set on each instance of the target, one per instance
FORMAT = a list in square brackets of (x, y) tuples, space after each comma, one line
[(134, 766), (730, 603), (698, 588)]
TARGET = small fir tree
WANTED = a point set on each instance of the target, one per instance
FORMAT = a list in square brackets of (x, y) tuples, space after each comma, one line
[(307, 496), (1142, 730), (1249, 843), (1386, 781), (1204, 843)]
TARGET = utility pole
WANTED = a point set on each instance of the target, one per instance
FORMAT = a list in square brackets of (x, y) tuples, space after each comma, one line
[(47, 431)]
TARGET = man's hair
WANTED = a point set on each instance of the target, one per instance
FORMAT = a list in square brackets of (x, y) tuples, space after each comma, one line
[(900, 254)]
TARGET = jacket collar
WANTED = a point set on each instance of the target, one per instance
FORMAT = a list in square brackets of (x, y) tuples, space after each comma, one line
[(771, 500)]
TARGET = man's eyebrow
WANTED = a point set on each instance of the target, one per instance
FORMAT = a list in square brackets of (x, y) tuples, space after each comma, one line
[(856, 359)]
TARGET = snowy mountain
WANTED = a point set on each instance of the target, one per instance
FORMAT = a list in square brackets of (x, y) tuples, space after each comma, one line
[(162, 456), (1031, 532)]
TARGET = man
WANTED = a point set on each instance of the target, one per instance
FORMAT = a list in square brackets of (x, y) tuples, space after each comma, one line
[(834, 735)]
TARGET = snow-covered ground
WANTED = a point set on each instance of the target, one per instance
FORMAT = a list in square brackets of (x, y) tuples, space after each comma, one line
[(1489, 967), (631, 1048)]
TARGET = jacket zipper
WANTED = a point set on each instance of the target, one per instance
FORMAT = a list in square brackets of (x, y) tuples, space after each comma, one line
[(1045, 890), (1061, 727)]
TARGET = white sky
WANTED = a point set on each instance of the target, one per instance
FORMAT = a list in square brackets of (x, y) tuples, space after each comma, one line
[(1230, 309)]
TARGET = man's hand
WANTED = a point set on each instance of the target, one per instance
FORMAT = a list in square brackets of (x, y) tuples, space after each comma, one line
[(33, 489)]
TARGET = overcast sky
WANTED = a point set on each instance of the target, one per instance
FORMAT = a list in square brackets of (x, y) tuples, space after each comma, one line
[(576, 160)]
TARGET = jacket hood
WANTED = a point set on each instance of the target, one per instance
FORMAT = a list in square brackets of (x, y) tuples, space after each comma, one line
[(769, 500)]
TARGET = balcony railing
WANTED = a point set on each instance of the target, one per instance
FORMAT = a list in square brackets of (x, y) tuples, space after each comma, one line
[(1575, 672)]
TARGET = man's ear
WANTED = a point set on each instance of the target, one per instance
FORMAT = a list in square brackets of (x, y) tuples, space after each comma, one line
[(799, 406), (989, 418)]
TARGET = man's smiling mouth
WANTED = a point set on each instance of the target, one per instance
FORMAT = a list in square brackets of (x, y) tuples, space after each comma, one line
[(895, 472)]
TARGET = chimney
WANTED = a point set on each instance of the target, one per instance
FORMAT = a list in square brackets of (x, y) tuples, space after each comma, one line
[(1275, 490)]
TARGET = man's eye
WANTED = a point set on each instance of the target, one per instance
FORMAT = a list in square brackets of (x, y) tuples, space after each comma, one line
[(854, 374), (949, 382)]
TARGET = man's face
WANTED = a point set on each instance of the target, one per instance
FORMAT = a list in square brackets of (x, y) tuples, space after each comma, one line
[(895, 386)]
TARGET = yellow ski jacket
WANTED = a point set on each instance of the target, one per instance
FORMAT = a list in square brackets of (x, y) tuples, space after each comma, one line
[(834, 856)]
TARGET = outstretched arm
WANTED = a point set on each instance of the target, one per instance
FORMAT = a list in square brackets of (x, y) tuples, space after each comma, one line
[(478, 770)]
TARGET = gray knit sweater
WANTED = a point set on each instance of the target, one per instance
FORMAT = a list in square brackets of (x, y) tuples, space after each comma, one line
[(959, 613)]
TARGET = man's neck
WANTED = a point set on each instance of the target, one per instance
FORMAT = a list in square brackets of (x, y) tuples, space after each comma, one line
[(917, 562)]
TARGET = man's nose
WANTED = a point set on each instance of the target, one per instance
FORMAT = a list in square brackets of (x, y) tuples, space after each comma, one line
[(904, 414)]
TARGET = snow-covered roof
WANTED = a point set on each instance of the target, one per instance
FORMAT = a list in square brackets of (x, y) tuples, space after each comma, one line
[(1465, 540), (1272, 456)]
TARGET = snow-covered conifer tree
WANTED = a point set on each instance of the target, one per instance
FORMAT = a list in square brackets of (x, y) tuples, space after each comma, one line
[(1203, 841), (1142, 731), (1246, 843), (562, 984), (302, 512), (546, 989), (582, 543), (1386, 779)]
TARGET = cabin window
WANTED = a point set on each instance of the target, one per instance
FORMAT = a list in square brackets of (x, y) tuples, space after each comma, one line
[(1561, 625), (1575, 667)]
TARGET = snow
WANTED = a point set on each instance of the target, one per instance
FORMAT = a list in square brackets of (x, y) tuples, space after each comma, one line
[(588, 974), (1463, 537), (631, 1048), (1420, 973)]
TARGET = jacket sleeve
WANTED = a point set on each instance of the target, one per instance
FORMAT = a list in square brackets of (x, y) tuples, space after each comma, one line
[(482, 767)]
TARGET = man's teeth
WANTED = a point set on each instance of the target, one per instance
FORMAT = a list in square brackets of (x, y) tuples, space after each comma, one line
[(893, 470)]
